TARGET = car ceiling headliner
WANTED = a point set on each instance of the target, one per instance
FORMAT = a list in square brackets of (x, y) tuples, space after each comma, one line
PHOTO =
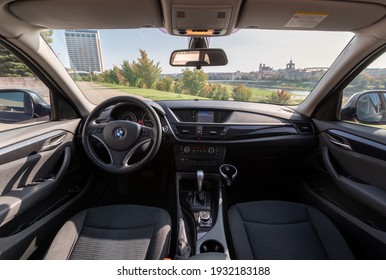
[(22, 16)]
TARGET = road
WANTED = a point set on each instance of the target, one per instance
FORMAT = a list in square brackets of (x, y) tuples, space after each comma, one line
[(97, 93)]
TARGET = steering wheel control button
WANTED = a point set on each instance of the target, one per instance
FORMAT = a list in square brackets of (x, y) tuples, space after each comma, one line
[(98, 129), (146, 132)]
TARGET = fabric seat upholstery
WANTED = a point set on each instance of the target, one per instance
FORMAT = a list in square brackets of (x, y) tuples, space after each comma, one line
[(284, 230), (129, 232)]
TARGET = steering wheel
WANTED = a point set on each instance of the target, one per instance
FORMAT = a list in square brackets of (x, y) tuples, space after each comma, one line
[(122, 139)]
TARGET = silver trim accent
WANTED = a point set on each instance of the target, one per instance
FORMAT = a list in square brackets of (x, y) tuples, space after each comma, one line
[(229, 181), (103, 143), (200, 180), (48, 145), (31, 141), (133, 150), (337, 143)]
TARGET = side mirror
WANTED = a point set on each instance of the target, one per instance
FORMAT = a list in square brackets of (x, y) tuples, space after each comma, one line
[(367, 107), (198, 57), (21, 105), (371, 108)]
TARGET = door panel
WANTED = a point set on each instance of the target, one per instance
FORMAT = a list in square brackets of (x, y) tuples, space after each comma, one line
[(349, 182), (358, 159), (29, 180), (32, 169), (33, 162)]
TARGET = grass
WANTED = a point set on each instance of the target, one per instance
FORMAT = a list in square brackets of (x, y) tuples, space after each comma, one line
[(261, 95), (152, 93), (258, 95)]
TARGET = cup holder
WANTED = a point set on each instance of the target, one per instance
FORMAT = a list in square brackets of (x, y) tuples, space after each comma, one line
[(211, 246)]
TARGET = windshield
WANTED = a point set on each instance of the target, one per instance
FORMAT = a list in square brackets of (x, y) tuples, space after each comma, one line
[(280, 67)]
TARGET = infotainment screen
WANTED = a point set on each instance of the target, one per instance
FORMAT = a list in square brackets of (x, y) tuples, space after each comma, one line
[(205, 116)]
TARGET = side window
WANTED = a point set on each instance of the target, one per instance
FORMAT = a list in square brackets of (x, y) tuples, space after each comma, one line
[(364, 99), (24, 99)]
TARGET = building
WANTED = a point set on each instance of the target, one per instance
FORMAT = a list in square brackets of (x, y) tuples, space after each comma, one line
[(311, 74), (84, 50), (290, 65), (265, 72)]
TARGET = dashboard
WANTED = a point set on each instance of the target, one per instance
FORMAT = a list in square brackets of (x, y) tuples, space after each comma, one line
[(207, 133), (203, 134)]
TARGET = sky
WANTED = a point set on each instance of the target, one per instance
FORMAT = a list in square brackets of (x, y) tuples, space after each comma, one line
[(245, 49)]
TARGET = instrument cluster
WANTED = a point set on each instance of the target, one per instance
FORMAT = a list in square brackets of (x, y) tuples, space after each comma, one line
[(133, 114)]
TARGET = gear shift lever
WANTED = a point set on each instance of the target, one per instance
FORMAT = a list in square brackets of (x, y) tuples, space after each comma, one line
[(200, 180), (200, 199), (200, 195)]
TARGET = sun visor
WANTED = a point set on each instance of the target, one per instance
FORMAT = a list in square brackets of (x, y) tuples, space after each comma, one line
[(309, 15), (95, 14)]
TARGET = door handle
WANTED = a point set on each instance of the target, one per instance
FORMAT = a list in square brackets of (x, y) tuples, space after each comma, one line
[(53, 142), (339, 143)]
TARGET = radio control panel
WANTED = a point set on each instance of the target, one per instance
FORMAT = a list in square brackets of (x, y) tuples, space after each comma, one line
[(190, 157), (199, 150)]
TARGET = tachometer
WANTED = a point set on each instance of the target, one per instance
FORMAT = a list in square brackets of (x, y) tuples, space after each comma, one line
[(147, 121), (127, 116)]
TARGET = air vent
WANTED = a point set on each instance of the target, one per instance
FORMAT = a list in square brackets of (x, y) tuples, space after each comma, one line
[(304, 127), (213, 130), (185, 130)]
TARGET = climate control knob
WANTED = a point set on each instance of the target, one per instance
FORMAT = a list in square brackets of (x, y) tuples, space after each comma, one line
[(186, 149), (211, 150)]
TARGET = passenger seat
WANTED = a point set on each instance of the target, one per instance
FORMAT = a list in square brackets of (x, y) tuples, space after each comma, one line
[(280, 230)]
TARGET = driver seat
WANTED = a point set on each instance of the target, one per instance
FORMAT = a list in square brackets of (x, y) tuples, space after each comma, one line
[(115, 232)]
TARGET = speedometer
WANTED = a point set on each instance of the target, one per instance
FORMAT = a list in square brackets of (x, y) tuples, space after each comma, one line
[(146, 120), (127, 116)]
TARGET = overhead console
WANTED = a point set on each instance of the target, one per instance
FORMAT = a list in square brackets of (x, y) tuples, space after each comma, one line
[(203, 18)]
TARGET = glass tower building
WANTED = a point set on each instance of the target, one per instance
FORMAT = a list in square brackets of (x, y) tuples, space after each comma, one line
[(84, 50)]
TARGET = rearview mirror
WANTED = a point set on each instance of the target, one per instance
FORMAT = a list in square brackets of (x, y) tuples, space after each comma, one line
[(198, 57)]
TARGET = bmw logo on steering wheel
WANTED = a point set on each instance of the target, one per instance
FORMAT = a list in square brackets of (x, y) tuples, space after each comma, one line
[(119, 133)]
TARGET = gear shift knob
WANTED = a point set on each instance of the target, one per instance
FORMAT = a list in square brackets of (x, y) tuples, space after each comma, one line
[(200, 180)]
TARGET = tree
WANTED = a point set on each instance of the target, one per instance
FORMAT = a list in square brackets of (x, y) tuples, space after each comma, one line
[(216, 92), (361, 82), (177, 86), (279, 97), (118, 73), (128, 73), (193, 82), (165, 84), (241, 93), (47, 35), (11, 66), (145, 71), (110, 76), (221, 92)]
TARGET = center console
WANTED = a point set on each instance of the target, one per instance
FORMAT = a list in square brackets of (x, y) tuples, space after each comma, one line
[(200, 194)]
